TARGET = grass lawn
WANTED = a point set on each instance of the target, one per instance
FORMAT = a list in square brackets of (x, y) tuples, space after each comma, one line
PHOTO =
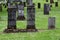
[(41, 23)]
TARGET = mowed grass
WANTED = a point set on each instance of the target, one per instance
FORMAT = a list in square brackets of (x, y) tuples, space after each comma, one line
[(41, 23)]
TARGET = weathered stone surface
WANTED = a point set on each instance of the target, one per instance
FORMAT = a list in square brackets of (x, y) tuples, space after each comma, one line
[(51, 23)]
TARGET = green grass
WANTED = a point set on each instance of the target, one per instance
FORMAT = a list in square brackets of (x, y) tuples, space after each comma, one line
[(41, 23)]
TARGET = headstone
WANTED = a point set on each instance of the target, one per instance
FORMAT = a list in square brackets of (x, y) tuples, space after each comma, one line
[(39, 5), (51, 1), (51, 23), (21, 12), (31, 17), (0, 7), (56, 4), (46, 0), (46, 9), (11, 17)]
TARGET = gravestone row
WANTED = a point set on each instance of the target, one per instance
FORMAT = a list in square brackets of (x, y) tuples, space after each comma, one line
[(30, 18), (12, 18)]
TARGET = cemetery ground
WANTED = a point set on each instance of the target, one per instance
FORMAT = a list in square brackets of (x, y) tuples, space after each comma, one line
[(41, 24)]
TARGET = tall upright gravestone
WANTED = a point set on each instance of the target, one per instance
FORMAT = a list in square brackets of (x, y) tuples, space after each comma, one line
[(21, 12), (31, 18), (51, 23), (11, 19), (46, 9)]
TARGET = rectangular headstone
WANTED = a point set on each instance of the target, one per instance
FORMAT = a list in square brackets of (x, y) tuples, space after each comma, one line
[(39, 5), (51, 23), (46, 9), (56, 4), (11, 17), (31, 17)]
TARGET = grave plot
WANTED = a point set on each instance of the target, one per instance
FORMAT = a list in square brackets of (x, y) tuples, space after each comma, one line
[(51, 23), (21, 12)]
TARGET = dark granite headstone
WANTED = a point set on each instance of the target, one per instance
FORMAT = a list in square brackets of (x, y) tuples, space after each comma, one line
[(56, 4), (0, 7), (21, 12), (11, 17), (46, 9), (51, 23), (31, 17), (39, 5)]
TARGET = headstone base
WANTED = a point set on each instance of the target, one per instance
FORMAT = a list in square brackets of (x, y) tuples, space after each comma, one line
[(20, 18), (11, 27), (51, 27), (31, 27), (19, 30), (28, 30), (11, 30), (47, 13)]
